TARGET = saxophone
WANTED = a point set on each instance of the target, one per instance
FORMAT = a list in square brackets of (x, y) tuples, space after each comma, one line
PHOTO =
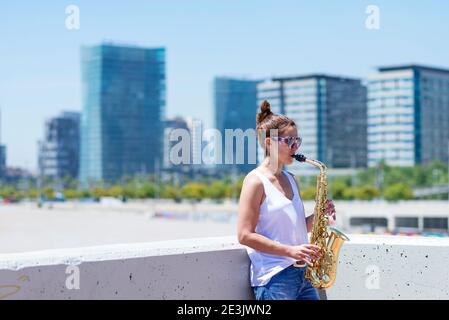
[(323, 272)]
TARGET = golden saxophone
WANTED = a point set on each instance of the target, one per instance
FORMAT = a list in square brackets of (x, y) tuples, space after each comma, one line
[(323, 272)]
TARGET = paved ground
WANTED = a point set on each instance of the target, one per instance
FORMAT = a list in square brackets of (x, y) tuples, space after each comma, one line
[(25, 227)]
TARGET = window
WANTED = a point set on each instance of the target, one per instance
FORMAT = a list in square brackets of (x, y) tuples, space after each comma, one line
[(435, 223), (373, 222), (406, 222)]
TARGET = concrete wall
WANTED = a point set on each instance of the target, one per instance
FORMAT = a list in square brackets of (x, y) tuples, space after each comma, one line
[(370, 267), (392, 267)]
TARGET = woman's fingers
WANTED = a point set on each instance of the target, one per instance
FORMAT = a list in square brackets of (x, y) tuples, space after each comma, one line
[(307, 260), (330, 209), (308, 251), (313, 254), (315, 249), (312, 246)]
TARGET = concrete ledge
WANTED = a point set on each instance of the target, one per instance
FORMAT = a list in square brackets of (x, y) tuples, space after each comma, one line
[(392, 267), (203, 268), (370, 267)]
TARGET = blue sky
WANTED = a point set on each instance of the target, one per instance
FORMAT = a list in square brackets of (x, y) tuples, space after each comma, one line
[(40, 63)]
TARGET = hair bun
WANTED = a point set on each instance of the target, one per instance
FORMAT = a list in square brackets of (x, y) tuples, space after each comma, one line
[(265, 112)]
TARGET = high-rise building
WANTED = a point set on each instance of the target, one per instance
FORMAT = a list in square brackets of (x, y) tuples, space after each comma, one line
[(170, 142), (2, 154), (235, 105), (408, 115), (330, 113), (59, 150), (2, 161), (197, 143), (123, 112)]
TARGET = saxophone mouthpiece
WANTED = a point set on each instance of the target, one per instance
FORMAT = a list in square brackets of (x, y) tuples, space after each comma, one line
[(299, 157)]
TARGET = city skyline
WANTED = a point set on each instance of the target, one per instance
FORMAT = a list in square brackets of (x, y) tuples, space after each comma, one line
[(41, 69)]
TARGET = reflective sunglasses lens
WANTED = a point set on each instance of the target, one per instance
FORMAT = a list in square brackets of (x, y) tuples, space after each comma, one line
[(293, 142)]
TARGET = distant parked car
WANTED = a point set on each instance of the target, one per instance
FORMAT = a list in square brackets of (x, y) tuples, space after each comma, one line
[(11, 199)]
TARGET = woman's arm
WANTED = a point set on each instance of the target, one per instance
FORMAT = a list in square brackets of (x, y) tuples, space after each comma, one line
[(251, 198)]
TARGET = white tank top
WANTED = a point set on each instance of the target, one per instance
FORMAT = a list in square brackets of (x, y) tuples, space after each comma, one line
[(281, 220)]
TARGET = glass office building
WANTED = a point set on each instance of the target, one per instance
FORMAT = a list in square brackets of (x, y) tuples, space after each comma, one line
[(123, 112), (171, 125), (59, 151), (330, 113), (235, 105), (408, 115), (2, 161)]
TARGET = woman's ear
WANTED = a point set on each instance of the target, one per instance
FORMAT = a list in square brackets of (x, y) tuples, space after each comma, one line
[(267, 143)]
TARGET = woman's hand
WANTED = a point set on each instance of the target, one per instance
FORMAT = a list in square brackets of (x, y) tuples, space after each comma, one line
[(307, 253), (330, 212)]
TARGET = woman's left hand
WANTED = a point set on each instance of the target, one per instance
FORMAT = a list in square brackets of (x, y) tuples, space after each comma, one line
[(330, 212)]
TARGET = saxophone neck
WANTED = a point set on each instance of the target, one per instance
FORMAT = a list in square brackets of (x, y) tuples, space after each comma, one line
[(316, 163), (319, 164)]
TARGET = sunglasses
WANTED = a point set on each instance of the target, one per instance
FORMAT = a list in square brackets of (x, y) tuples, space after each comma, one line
[(291, 141)]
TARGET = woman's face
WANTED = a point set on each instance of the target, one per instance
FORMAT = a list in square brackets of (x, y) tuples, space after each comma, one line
[(285, 152)]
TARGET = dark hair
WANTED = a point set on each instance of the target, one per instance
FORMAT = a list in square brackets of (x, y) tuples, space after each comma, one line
[(267, 120)]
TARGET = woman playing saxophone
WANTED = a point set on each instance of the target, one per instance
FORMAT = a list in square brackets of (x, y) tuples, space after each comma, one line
[(272, 223)]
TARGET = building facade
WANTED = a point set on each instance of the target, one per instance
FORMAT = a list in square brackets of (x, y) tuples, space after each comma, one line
[(235, 106), (170, 125), (408, 115), (123, 112), (2, 161), (330, 113), (59, 150)]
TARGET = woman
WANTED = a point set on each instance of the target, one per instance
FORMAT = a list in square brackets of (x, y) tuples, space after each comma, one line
[(272, 223)]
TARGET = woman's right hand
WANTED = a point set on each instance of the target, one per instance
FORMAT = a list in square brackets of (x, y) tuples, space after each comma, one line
[(307, 253)]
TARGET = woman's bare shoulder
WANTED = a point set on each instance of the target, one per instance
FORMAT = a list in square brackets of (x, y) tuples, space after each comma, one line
[(252, 189), (252, 181)]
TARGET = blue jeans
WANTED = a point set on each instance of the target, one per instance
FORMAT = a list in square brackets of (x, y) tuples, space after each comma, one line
[(289, 284)]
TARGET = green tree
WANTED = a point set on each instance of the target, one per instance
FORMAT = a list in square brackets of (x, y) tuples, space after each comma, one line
[(99, 192), (349, 193), (194, 191), (148, 190), (32, 193), (7, 191), (398, 191), (170, 192), (338, 188), (366, 192), (85, 193), (115, 191), (49, 193), (217, 190), (308, 193), (130, 191), (71, 194)]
